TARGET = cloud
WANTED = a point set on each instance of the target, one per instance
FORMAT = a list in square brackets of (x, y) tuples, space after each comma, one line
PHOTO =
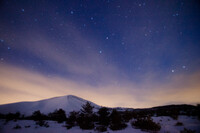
[(76, 56), (18, 84)]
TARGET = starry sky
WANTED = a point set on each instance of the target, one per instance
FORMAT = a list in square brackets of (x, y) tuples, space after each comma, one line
[(129, 53)]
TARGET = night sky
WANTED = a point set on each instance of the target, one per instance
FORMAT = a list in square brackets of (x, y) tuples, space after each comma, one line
[(129, 53)]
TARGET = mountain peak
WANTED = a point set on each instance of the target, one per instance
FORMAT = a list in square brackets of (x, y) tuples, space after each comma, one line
[(72, 97), (68, 103)]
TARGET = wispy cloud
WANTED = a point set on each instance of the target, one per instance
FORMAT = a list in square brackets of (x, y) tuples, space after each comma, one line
[(19, 84), (78, 55)]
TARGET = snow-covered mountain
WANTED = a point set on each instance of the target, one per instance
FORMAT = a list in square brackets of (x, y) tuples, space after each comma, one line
[(68, 103)]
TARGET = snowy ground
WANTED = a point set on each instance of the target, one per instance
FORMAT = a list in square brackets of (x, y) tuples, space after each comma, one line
[(167, 125)]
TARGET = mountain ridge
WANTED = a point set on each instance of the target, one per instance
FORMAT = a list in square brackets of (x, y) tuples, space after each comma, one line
[(68, 103)]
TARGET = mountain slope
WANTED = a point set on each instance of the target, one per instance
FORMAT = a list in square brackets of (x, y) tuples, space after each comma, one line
[(68, 103)]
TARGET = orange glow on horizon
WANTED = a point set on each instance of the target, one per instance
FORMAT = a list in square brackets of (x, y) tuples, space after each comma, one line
[(18, 84)]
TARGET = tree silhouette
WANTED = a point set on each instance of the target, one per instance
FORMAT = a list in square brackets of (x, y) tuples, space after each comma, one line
[(127, 115), (103, 116), (116, 121), (58, 115), (85, 119), (87, 109), (37, 115), (72, 119)]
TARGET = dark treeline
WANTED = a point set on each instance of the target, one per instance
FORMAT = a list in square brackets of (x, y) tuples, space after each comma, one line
[(106, 118)]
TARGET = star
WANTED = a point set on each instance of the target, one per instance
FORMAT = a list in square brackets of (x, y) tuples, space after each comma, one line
[(183, 67), (2, 40), (9, 48), (100, 52), (176, 14), (173, 70), (22, 10), (107, 38), (72, 12)]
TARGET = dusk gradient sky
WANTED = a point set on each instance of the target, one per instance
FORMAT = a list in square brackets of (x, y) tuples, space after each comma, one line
[(129, 53)]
